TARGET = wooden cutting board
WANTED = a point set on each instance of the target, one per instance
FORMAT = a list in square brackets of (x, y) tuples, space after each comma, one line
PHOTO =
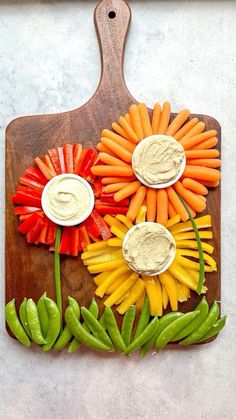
[(29, 269)]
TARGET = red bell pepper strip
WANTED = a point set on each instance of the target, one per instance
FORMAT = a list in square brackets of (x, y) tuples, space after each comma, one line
[(84, 237), (24, 199), (92, 227), (44, 168), (31, 182), (61, 159), (43, 234), (88, 162), (74, 241), (49, 164), (110, 209), (29, 191), (101, 225), (77, 150), (53, 154), (51, 233), (65, 241), (25, 210), (80, 162), (68, 157), (33, 234), (97, 188), (36, 174), (25, 216), (94, 239), (28, 224)]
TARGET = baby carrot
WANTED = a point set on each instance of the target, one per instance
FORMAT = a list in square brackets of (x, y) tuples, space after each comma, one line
[(119, 130), (101, 170), (196, 138), (213, 163), (205, 145), (197, 129), (171, 210), (145, 120), (177, 122), (128, 119), (156, 116), (111, 160), (117, 149), (114, 187), (162, 206), (109, 180), (212, 184), (185, 129), (165, 117), (44, 168), (136, 121), (128, 190), (191, 198), (128, 129), (104, 149), (136, 203), (202, 173), (194, 186), (177, 204), (151, 204), (202, 154), (118, 140)]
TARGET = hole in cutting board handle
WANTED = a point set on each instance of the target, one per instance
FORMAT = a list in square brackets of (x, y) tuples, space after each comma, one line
[(112, 14)]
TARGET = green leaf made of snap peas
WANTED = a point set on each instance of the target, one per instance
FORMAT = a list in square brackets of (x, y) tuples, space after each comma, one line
[(14, 323), (199, 245), (216, 328)]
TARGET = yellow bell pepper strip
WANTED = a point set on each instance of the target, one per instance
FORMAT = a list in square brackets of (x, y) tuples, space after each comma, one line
[(191, 235), (106, 257), (116, 284), (115, 242), (152, 294), (111, 278), (165, 297), (119, 292), (168, 281), (182, 276), (134, 294), (194, 274), (112, 221), (139, 303), (173, 220), (97, 246), (106, 266), (118, 302), (183, 292), (201, 222), (141, 216), (117, 232), (125, 220), (101, 277), (195, 265), (92, 253), (159, 296), (192, 244)]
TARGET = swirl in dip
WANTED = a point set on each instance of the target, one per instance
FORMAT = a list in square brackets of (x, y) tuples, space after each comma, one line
[(158, 159), (148, 248)]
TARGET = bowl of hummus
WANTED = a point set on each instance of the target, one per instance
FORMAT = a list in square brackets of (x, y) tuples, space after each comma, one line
[(159, 161), (149, 248), (67, 199)]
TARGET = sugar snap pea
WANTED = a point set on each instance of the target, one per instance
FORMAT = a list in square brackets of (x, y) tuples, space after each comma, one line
[(144, 317), (216, 328), (54, 323), (95, 327), (81, 334), (102, 321), (127, 325), (170, 331), (203, 308), (205, 326), (23, 317), (14, 323), (146, 334), (43, 314), (34, 323), (66, 335), (113, 329)]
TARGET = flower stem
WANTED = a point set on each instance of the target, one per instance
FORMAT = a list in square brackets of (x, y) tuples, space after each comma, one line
[(57, 271)]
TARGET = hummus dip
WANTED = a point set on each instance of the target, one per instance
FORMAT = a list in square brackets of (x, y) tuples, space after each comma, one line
[(67, 198), (148, 247), (158, 159)]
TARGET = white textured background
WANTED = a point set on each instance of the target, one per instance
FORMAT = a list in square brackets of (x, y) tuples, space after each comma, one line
[(183, 51)]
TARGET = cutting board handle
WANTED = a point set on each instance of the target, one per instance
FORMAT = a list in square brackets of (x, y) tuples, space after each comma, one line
[(112, 19)]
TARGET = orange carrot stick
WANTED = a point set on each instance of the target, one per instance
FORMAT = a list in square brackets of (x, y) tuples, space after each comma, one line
[(205, 145), (194, 186), (119, 130), (151, 204), (136, 203), (136, 121), (44, 168), (162, 206), (196, 130), (117, 149), (111, 160), (128, 129), (128, 119), (177, 204), (165, 117), (202, 154), (49, 164), (177, 122), (185, 129), (213, 163), (104, 149), (156, 116), (145, 120), (171, 210), (118, 140), (101, 170), (114, 187), (213, 184), (202, 173), (113, 179), (189, 142), (128, 190), (191, 198)]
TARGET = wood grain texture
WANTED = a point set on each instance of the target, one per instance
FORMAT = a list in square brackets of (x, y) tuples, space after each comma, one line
[(29, 269)]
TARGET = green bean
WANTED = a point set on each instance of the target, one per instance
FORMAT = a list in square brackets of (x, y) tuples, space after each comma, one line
[(66, 335), (216, 328), (127, 325), (195, 323), (54, 323), (14, 323), (57, 271), (43, 314), (170, 331), (34, 323), (163, 323), (144, 318), (23, 317), (205, 326), (81, 334), (113, 329), (146, 334), (95, 327)]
